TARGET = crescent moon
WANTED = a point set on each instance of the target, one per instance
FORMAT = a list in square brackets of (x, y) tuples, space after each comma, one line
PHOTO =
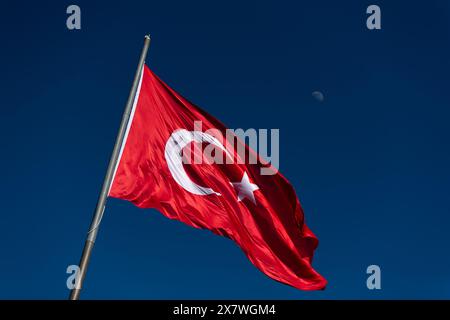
[(174, 158)]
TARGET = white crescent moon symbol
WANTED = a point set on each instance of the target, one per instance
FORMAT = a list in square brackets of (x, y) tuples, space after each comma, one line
[(174, 154)]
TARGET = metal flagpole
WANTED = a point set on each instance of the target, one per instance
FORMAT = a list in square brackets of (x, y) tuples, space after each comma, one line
[(98, 214)]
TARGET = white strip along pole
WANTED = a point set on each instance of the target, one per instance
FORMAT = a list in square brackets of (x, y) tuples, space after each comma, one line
[(98, 214)]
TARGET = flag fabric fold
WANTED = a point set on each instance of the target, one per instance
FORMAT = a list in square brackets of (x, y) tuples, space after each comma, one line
[(260, 212)]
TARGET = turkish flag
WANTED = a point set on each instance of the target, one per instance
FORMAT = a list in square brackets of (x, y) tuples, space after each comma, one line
[(260, 212)]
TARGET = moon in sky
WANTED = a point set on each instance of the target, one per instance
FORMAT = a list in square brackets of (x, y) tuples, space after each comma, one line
[(174, 158), (318, 96)]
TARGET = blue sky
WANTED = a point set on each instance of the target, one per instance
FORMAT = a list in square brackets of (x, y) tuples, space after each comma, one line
[(369, 163)]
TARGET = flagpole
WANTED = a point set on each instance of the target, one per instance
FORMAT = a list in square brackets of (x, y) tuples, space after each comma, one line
[(98, 213)]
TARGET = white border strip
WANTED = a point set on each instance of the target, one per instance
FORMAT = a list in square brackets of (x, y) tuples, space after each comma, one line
[(130, 121)]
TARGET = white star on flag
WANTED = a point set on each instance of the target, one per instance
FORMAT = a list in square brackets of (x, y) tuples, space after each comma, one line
[(245, 188)]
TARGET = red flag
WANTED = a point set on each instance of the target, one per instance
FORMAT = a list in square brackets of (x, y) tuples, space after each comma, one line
[(260, 212)]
